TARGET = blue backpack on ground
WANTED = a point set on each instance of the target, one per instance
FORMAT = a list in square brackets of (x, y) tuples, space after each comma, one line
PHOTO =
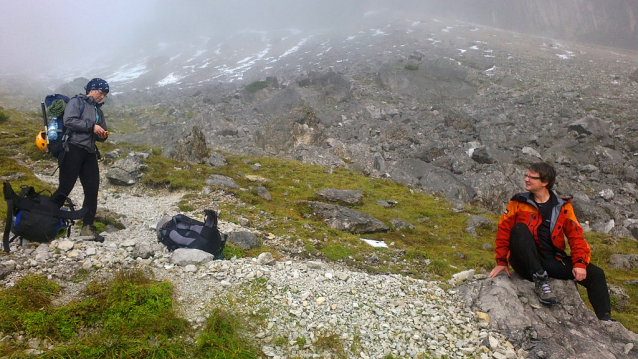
[(181, 231), (33, 216)]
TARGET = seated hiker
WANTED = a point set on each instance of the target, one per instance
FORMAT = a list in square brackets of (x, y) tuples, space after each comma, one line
[(86, 125), (531, 237)]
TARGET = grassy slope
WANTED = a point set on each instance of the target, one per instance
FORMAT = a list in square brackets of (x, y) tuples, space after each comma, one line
[(437, 247)]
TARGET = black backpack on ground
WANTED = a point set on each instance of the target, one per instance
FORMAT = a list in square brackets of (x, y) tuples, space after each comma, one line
[(184, 232), (33, 216)]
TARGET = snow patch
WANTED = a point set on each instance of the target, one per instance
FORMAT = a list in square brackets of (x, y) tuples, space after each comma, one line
[(170, 79)]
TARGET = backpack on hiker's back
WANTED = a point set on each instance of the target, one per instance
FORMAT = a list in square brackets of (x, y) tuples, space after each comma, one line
[(33, 216), (53, 138)]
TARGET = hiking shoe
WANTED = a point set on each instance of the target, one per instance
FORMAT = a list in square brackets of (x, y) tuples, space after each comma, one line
[(90, 231), (544, 291), (606, 318)]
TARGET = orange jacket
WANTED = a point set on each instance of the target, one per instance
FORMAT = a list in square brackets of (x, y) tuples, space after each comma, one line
[(521, 209)]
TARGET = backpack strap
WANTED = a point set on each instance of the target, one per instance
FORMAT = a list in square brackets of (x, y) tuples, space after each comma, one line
[(8, 196), (65, 136), (210, 219)]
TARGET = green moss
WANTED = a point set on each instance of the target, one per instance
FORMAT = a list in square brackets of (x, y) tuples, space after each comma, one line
[(335, 251), (412, 67)]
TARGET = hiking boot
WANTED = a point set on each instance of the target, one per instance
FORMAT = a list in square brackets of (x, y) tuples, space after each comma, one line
[(544, 291), (606, 318), (90, 231)]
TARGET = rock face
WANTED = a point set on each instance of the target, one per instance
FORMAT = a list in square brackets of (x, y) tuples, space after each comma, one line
[(565, 330)]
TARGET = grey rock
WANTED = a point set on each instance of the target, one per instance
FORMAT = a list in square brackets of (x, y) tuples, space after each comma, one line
[(479, 222), (243, 239), (443, 182), (143, 250), (65, 245), (399, 224), (132, 164), (216, 159), (347, 219), (111, 155), (121, 177), (191, 148), (618, 296), (591, 126), (221, 181), (490, 155), (317, 156), (315, 265), (343, 196), (387, 204), (263, 193), (266, 258), (550, 327), (185, 256), (5, 270), (623, 261)]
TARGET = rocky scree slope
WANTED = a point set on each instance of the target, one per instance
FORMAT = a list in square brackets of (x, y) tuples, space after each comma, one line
[(447, 107)]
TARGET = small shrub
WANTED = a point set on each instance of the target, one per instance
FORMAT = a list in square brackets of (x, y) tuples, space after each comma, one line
[(412, 67), (222, 338), (3, 115)]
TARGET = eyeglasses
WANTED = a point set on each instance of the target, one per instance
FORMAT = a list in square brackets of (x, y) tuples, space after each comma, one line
[(532, 177)]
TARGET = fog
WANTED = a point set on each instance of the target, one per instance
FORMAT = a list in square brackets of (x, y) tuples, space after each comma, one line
[(41, 37), (73, 38)]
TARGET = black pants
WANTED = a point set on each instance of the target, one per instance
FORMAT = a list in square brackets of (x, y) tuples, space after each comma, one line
[(526, 260), (79, 162)]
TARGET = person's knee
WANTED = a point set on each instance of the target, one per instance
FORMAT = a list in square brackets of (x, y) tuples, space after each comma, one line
[(520, 230), (595, 273), (520, 235)]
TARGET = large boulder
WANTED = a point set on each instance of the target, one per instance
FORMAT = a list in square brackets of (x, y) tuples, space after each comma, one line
[(126, 171), (347, 219), (243, 239), (566, 330)]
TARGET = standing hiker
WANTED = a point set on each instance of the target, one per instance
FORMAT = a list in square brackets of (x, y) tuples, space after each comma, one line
[(85, 124), (531, 237)]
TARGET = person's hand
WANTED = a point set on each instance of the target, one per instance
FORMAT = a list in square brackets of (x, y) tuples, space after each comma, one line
[(499, 269), (100, 132), (579, 274)]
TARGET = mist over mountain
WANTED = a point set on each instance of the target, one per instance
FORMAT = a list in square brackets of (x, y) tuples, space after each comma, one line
[(394, 90), (122, 41)]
